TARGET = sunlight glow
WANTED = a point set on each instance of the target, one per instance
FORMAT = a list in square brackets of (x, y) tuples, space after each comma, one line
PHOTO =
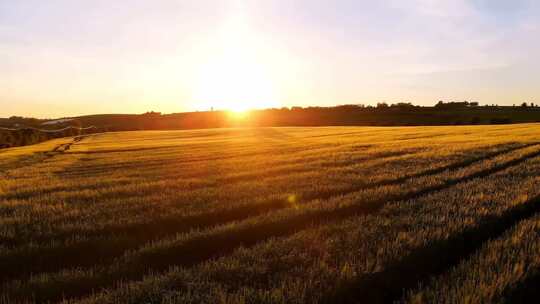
[(235, 77), (236, 114)]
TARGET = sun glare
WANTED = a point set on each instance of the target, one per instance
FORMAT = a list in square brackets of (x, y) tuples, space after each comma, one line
[(238, 114), (235, 77)]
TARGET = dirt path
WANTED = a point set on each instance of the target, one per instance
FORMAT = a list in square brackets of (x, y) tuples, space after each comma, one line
[(35, 158)]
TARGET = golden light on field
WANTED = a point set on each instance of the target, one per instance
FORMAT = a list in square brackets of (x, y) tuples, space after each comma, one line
[(257, 186), (235, 76)]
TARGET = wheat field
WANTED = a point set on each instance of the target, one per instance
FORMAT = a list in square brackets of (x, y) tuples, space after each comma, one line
[(273, 215)]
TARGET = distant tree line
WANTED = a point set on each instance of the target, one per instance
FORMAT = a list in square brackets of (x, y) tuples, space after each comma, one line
[(381, 114)]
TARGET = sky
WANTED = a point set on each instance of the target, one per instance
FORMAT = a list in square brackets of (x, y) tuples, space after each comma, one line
[(65, 58)]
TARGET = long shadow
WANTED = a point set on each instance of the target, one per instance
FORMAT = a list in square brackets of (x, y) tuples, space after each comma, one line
[(391, 285), (239, 213), (526, 292), (218, 244), (183, 223), (205, 247), (86, 253)]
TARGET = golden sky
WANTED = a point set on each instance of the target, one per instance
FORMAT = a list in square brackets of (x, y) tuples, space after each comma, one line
[(65, 58)]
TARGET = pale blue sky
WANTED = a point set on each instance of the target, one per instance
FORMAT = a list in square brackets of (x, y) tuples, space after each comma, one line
[(62, 57)]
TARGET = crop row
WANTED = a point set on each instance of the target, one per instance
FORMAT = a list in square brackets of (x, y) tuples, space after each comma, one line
[(84, 252), (369, 258), (504, 270), (197, 246)]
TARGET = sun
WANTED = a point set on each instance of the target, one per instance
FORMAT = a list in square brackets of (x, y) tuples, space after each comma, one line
[(238, 114), (234, 83), (235, 76)]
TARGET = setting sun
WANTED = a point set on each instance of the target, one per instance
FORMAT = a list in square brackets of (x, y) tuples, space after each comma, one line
[(246, 151), (235, 76), (234, 83), (238, 115)]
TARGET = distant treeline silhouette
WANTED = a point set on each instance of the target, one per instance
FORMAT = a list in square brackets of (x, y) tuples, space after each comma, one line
[(399, 114), (383, 114)]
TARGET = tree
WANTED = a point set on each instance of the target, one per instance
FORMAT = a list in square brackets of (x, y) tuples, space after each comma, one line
[(402, 105)]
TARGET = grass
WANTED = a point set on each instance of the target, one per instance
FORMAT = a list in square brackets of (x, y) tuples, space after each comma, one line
[(263, 215), (504, 270)]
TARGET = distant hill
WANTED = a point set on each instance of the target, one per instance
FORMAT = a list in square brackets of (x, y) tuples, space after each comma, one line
[(402, 114), (23, 131)]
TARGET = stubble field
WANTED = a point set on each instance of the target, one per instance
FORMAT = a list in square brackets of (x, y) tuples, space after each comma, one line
[(273, 215)]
